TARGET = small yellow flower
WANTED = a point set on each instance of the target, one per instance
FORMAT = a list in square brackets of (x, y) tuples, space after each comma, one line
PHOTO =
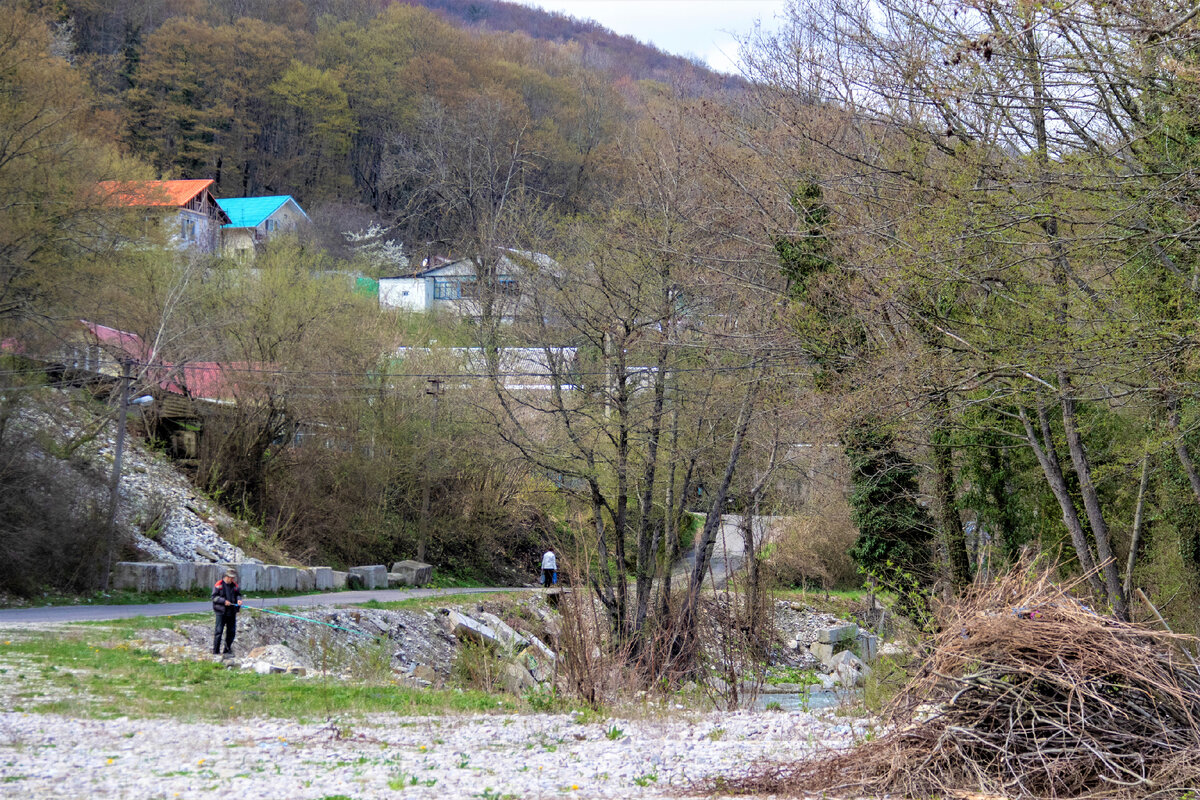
[(423, 748), (111, 760), (574, 787), (8, 641), (201, 762)]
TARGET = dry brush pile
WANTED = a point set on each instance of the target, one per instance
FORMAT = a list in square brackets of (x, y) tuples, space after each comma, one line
[(1027, 692)]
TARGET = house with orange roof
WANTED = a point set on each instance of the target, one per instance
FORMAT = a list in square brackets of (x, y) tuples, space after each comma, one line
[(184, 213)]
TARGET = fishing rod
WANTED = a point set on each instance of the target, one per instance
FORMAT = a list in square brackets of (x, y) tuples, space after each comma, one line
[(314, 621)]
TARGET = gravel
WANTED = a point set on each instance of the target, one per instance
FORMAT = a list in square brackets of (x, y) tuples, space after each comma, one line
[(525, 756)]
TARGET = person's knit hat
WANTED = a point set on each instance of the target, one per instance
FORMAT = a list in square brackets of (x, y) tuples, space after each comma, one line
[(231, 573)]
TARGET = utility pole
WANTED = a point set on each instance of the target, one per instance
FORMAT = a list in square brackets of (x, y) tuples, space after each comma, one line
[(114, 487), (435, 390)]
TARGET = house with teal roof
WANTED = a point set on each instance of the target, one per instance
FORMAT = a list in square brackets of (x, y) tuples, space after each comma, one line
[(254, 220)]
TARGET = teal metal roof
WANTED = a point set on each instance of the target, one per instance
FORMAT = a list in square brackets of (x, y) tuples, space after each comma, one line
[(250, 212)]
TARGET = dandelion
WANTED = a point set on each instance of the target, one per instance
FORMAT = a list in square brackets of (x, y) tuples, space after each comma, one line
[(111, 760), (574, 787), (423, 748), (200, 763)]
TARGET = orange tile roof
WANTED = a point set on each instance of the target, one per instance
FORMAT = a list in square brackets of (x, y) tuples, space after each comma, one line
[(138, 194)]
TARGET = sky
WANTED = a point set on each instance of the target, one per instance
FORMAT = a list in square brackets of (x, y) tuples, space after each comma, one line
[(709, 29)]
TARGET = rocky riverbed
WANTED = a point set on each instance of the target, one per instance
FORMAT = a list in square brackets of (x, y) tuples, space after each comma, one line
[(660, 753)]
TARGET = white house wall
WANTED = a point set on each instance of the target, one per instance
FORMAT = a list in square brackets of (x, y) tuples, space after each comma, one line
[(409, 294)]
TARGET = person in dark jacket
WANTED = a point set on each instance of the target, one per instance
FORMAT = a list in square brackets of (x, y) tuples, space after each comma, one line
[(227, 602)]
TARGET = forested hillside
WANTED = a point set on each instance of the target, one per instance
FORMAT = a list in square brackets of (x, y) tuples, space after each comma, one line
[(925, 284)]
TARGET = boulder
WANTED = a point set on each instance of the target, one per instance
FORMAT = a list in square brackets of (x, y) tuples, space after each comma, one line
[(373, 577), (205, 554), (423, 672), (516, 679), (412, 573), (849, 669), (539, 660)]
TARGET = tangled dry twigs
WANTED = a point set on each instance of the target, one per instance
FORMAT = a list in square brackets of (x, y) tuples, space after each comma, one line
[(1029, 693)]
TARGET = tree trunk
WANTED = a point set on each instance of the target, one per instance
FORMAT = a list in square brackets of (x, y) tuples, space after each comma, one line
[(1048, 459), (1091, 504), (953, 538), (686, 636), (646, 556)]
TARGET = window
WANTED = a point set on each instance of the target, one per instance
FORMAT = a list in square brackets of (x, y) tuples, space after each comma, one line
[(189, 230), (468, 288), (272, 225), (509, 286), (445, 289)]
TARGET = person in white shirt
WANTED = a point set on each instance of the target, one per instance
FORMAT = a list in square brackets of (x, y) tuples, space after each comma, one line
[(549, 568)]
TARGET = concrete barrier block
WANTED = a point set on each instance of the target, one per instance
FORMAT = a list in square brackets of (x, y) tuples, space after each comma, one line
[(339, 578), (185, 576), (248, 575), (413, 573), (868, 646), (322, 578), (207, 575), (271, 578), (287, 579), (373, 577), (143, 576), (305, 580), (839, 634)]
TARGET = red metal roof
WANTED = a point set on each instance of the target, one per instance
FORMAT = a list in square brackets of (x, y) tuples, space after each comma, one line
[(140, 194), (130, 344)]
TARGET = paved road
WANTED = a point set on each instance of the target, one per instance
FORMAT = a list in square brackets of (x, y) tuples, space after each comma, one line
[(45, 614), (729, 550), (728, 556)]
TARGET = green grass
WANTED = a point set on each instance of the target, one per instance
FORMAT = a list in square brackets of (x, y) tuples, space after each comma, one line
[(436, 601), (777, 676), (115, 679), (840, 602)]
